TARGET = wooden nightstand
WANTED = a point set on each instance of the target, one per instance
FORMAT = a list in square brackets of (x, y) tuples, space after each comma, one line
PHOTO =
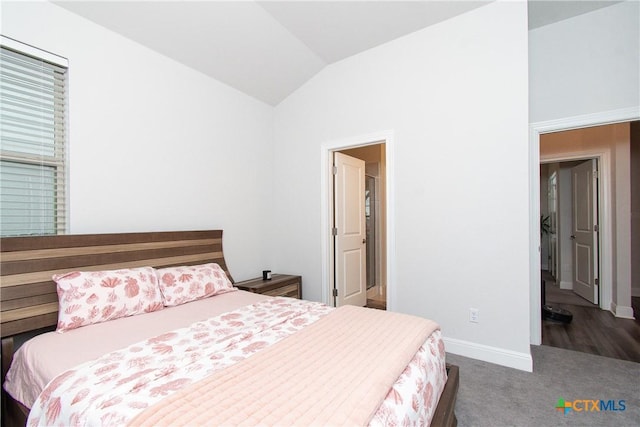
[(280, 285)]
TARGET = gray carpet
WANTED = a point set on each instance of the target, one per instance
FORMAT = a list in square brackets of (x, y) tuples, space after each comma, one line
[(492, 395)]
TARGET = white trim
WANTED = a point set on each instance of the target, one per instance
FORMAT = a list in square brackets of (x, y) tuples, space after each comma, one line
[(535, 297), (535, 130), (34, 51), (499, 356), (587, 120), (326, 208), (622, 311)]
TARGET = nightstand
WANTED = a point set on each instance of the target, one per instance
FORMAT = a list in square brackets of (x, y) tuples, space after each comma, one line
[(280, 285)]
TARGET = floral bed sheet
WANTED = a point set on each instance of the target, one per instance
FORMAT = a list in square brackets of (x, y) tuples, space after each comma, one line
[(114, 388)]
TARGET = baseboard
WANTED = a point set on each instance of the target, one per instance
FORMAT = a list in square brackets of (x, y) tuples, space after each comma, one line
[(566, 285), (499, 356), (622, 311)]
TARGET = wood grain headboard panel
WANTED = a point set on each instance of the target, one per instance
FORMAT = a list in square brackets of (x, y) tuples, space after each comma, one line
[(28, 299)]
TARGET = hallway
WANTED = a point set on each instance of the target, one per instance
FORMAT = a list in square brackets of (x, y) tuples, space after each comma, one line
[(592, 330)]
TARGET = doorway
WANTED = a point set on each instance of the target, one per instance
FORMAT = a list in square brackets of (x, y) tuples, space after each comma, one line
[(386, 219), (605, 328), (537, 130), (570, 240), (358, 272)]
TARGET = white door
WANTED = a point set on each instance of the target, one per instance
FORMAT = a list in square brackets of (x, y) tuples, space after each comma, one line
[(585, 230), (349, 223)]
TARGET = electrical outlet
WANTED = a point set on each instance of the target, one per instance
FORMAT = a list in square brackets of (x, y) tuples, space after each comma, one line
[(474, 315)]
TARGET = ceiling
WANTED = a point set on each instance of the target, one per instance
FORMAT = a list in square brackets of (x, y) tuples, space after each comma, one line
[(268, 49)]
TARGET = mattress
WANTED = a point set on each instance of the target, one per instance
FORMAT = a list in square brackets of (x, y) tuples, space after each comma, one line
[(45, 357)]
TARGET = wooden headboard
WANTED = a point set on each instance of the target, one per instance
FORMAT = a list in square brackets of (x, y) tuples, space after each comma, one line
[(28, 298)]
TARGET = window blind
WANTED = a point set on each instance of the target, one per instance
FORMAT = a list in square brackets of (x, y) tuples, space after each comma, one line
[(32, 145)]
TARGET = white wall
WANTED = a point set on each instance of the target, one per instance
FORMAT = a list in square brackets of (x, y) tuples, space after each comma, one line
[(155, 145), (452, 94), (583, 71), (586, 64)]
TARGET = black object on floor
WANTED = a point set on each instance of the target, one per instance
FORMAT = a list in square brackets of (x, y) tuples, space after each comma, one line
[(552, 313)]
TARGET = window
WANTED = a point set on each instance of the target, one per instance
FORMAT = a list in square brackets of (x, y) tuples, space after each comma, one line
[(32, 141)]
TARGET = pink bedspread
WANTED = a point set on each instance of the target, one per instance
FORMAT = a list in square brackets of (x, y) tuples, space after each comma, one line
[(48, 355), (318, 376), (94, 393)]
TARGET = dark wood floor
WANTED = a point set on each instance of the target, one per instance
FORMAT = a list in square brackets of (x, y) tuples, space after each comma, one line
[(380, 305), (596, 331)]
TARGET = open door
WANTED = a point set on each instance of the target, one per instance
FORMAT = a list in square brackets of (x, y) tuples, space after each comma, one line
[(585, 229), (349, 232)]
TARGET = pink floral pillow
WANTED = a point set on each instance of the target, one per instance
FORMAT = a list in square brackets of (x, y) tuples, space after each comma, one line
[(189, 283), (87, 297)]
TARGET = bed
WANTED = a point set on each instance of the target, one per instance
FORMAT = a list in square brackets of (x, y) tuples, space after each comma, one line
[(30, 307)]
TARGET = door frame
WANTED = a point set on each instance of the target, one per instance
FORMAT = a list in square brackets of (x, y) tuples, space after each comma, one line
[(605, 242), (535, 130), (376, 231), (326, 208), (553, 243)]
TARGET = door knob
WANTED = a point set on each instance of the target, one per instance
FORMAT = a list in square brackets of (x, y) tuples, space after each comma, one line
[(573, 237), (364, 241)]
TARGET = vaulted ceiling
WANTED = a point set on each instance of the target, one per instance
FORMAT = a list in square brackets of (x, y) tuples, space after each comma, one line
[(268, 49)]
